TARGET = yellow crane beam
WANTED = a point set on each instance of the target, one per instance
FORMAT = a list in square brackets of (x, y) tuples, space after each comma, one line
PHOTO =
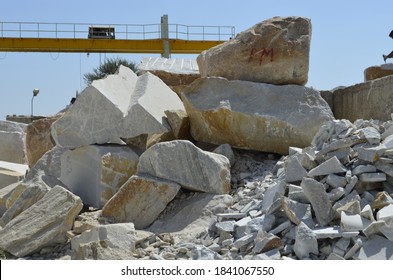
[(103, 45)]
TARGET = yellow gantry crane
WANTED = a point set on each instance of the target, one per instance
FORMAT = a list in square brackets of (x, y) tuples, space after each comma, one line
[(162, 38)]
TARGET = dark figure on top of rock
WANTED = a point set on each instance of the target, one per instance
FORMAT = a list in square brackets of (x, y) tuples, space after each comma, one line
[(391, 54)]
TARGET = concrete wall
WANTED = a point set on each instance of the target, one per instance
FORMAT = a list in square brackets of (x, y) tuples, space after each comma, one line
[(368, 100)]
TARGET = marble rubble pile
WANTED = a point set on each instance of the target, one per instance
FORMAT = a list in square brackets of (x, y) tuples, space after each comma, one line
[(328, 201), (331, 200)]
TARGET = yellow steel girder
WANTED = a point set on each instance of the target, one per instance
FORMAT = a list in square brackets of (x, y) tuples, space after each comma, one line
[(104, 45)]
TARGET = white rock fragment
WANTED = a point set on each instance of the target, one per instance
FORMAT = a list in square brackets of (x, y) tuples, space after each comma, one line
[(296, 193), (367, 213), (387, 143), (386, 213), (200, 252), (375, 248), (372, 177), (267, 242), (286, 115), (227, 226), (5, 193), (241, 226), (226, 150), (273, 193), (387, 229), (369, 168), (386, 168), (140, 200), (333, 232), (315, 193), (369, 154), (305, 242), (182, 162), (244, 240), (336, 181), (353, 222), (371, 134), (373, 228), (95, 173), (332, 165), (117, 237), (12, 142), (294, 171), (351, 252), (281, 227), (297, 212), (132, 105), (271, 44), (26, 195), (265, 223), (44, 224), (336, 194)]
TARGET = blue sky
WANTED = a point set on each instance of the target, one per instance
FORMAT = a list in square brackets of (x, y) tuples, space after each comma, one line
[(347, 37)]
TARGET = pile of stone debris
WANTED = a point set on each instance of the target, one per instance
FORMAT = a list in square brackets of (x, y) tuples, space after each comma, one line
[(332, 200)]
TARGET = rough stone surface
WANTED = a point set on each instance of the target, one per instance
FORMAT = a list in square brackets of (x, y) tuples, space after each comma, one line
[(376, 72), (284, 115), (191, 216), (315, 193), (226, 150), (12, 142), (180, 123), (94, 172), (306, 242), (297, 212), (5, 193), (39, 139), (294, 171), (376, 248), (182, 162), (44, 224), (353, 222), (140, 200), (119, 238), (333, 165), (25, 194), (132, 105), (175, 72), (11, 173), (275, 51)]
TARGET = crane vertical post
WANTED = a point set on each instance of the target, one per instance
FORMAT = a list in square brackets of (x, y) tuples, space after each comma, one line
[(165, 36)]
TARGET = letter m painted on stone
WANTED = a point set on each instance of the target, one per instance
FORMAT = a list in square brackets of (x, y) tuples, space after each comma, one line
[(261, 54)]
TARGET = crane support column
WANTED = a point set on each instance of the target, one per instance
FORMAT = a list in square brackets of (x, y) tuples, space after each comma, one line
[(165, 36)]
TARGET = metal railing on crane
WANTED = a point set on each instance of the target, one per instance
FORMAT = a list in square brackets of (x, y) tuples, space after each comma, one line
[(123, 31), (163, 38)]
